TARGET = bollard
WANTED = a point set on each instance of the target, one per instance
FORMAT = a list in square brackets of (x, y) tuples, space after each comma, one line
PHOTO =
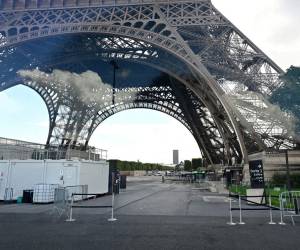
[(70, 219), (281, 213), (231, 223), (112, 218), (271, 214), (240, 206)]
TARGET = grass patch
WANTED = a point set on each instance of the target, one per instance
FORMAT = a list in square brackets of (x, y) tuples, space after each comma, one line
[(238, 189), (269, 191)]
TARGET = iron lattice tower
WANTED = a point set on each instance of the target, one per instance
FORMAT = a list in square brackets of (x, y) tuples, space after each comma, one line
[(177, 57)]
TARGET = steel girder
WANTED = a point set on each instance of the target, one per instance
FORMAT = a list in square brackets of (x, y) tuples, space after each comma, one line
[(65, 128), (211, 49)]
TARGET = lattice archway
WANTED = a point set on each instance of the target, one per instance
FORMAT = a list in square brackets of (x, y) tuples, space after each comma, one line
[(205, 96), (194, 32)]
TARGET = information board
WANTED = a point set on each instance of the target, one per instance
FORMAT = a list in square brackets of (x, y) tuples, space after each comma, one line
[(256, 174)]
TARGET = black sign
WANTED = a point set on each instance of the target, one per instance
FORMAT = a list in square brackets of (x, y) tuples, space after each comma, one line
[(256, 174)]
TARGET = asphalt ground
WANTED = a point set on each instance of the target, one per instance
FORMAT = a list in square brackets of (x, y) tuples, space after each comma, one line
[(151, 215)]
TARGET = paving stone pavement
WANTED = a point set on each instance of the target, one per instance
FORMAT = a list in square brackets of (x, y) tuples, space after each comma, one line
[(151, 215)]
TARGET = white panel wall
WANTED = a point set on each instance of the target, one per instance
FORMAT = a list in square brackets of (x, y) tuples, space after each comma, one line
[(24, 175), (54, 172), (4, 171), (71, 175), (95, 175)]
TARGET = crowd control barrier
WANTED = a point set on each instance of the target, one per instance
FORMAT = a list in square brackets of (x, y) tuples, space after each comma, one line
[(70, 217), (289, 205), (259, 207), (112, 218)]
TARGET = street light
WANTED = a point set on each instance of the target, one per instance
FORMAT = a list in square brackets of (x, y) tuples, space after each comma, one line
[(288, 177), (115, 67)]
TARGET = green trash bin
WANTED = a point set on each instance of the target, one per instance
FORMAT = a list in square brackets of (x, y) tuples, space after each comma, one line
[(19, 199)]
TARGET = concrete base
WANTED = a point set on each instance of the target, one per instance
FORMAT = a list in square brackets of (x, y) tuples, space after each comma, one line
[(255, 192), (246, 174), (70, 220)]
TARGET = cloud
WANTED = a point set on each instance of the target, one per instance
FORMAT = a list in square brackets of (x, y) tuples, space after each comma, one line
[(142, 141), (273, 27), (290, 9), (39, 124), (87, 86), (8, 104), (264, 116)]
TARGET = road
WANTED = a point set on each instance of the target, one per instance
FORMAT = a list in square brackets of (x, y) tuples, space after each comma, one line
[(151, 215)]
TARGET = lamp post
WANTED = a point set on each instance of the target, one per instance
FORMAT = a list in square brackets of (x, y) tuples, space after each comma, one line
[(115, 67), (288, 178)]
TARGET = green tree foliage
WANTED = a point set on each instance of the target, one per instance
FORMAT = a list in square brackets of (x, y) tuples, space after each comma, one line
[(187, 165), (196, 163), (288, 95), (132, 165), (281, 180)]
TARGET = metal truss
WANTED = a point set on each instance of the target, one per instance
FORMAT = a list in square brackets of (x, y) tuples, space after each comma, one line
[(206, 54)]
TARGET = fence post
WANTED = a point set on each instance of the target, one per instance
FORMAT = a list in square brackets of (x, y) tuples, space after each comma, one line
[(271, 214), (112, 218), (70, 219), (240, 206), (281, 211), (231, 223)]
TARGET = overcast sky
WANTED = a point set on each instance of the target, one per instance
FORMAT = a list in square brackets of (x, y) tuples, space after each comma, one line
[(150, 136), (273, 25)]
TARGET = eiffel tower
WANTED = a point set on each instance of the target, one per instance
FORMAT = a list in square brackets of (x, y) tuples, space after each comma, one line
[(89, 59)]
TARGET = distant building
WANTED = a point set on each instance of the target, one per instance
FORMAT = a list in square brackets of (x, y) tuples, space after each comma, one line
[(175, 156)]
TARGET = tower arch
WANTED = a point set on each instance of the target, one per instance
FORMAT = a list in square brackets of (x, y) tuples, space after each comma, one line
[(191, 41)]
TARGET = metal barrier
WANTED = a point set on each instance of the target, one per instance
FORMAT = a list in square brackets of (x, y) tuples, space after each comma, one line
[(112, 218), (61, 202), (265, 206), (289, 205), (8, 195), (11, 149), (83, 189)]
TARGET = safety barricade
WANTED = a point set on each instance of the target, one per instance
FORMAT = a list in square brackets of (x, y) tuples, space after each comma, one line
[(61, 204), (260, 207), (8, 195), (77, 189), (70, 217), (289, 205)]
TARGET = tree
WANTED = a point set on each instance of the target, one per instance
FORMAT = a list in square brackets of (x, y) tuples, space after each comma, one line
[(288, 95), (132, 165), (196, 163), (187, 165)]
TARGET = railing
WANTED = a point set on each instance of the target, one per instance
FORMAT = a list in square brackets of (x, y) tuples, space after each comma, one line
[(9, 5), (111, 206), (11, 149), (289, 205), (61, 203), (267, 206), (8, 195), (83, 189)]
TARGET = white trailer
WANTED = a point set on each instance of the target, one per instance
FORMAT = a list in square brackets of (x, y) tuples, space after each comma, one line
[(4, 171), (20, 175)]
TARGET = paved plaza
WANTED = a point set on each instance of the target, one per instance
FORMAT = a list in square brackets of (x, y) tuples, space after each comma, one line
[(151, 215)]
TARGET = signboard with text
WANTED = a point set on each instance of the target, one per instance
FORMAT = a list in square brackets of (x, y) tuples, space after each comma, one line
[(256, 174)]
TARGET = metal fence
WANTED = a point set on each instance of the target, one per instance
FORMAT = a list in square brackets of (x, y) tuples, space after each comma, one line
[(255, 206), (289, 205), (11, 149), (61, 203), (82, 189), (64, 198)]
